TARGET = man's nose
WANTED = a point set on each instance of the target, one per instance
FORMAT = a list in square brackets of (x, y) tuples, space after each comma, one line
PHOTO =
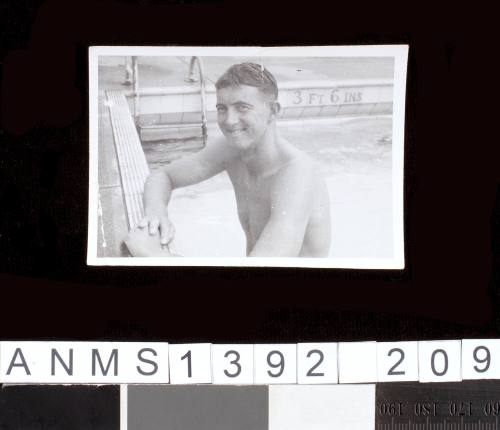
[(231, 117)]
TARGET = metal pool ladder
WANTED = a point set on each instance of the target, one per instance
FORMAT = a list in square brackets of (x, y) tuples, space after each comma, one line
[(191, 78)]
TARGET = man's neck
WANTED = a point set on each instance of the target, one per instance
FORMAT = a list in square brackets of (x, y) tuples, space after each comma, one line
[(264, 158)]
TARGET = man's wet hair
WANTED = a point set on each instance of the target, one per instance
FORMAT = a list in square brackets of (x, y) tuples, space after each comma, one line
[(251, 74)]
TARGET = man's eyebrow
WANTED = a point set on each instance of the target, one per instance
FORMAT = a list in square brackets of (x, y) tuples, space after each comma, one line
[(237, 102)]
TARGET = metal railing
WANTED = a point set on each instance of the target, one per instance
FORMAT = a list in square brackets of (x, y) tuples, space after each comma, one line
[(135, 82), (191, 78)]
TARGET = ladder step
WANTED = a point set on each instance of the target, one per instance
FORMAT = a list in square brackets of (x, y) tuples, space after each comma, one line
[(161, 126)]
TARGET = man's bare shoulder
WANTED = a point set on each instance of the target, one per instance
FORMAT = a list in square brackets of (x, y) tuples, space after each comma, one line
[(194, 168), (295, 176), (298, 163), (216, 153)]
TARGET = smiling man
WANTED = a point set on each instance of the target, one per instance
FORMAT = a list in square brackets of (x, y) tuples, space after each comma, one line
[(283, 203)]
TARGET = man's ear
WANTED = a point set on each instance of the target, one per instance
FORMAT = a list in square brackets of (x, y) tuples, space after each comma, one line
[(275, 109)]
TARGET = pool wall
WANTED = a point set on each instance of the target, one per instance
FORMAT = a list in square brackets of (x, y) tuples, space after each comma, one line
[(180, 106)]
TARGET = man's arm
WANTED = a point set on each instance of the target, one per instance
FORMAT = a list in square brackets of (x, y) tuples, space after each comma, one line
[(292, 198), (186, 171)]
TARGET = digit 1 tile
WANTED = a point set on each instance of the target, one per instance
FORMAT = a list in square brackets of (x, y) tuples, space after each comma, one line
[(190, 363)]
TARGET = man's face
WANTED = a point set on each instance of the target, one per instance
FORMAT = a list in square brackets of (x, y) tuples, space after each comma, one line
[(243, 115)]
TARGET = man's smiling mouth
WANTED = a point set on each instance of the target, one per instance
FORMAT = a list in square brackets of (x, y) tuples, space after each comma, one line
[(235, 132)]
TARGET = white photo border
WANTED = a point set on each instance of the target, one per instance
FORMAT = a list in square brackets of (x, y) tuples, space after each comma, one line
[(400, 55)]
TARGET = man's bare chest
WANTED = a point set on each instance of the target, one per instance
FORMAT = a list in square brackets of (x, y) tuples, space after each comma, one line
[(253, 199)]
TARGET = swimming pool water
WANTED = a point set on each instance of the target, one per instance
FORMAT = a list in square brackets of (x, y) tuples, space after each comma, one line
[(354, 156)]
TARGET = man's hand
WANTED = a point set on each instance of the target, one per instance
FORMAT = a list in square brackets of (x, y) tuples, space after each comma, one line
[(141, 243), (156, 219)]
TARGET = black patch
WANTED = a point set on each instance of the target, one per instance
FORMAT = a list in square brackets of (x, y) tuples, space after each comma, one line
[(59, 407)]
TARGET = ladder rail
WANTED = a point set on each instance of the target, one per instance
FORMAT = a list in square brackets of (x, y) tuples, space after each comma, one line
[(191, 78)]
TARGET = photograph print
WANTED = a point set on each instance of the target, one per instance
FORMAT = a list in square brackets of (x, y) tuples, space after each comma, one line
[(280, 157)]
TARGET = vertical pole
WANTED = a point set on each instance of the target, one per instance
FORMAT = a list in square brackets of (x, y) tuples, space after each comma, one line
[(191, 78), (135, 80), (129, 71)]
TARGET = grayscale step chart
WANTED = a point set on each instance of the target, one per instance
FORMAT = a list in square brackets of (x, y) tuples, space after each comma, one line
[(468, 405)]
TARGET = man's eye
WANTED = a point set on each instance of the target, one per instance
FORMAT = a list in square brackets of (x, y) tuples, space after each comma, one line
[(221, 109), (243, 108)]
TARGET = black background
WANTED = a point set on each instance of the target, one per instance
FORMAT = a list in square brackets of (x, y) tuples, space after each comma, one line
[(452, 198)]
